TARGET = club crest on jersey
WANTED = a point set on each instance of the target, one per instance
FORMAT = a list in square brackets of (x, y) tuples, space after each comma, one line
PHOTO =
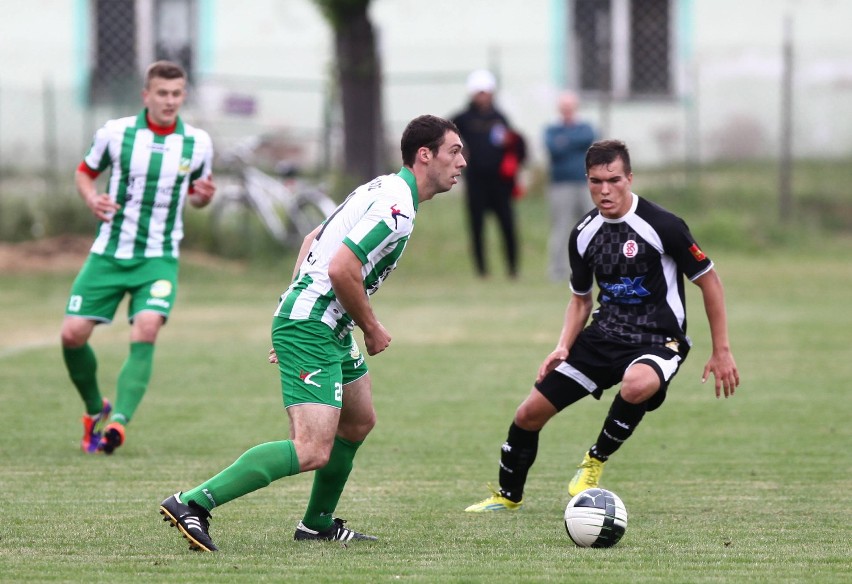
[(396, 213), (185, 166), (630, 248), (697, 253)]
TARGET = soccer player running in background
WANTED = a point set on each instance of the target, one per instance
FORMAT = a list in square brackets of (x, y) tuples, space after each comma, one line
[(324, 381), (638, 253), (157, 162)]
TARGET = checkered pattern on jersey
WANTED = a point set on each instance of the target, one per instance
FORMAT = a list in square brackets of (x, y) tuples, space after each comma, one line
[(608, 255), (624, 313), (639, 263)]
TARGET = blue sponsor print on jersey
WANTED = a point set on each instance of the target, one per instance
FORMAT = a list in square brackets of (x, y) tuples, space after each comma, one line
[(628, 291)]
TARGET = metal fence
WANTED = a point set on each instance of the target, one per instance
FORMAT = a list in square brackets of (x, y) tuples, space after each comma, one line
[(722, 104)]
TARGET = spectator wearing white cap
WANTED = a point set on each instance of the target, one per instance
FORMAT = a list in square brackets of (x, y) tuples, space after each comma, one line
[(486, 134)]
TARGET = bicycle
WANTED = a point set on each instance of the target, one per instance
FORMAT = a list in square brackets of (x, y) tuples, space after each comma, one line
[(287, 207)]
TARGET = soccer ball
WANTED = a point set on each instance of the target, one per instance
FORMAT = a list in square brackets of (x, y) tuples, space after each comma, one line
[(595, 518)]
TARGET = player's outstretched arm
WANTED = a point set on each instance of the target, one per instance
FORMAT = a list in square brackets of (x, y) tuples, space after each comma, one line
[(721, 363)]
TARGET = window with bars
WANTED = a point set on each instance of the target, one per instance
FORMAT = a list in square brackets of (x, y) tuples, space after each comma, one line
[(622, 48), (131, 34)]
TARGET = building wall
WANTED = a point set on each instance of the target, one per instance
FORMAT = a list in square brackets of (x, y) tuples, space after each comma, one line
[(274, 59)]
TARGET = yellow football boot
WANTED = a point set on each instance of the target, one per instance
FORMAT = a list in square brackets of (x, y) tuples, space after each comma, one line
[(588, 475), (496, 502)]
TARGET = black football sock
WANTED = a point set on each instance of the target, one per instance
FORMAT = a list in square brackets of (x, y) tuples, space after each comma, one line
[(516, 457), (621, 421)]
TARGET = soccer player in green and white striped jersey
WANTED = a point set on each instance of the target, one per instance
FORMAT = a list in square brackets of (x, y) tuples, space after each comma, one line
[(157, 162), (324, 380)]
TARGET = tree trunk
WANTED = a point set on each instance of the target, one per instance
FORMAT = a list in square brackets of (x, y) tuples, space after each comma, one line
[(360, 78)]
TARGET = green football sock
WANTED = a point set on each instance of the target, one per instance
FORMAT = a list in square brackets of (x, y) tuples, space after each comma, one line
[(256, 468), (133, 381), (82, 367), (328, 484)]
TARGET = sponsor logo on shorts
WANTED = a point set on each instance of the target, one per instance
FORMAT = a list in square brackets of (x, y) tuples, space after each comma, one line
[(355, 353), (158, 302), (161, 289), (306, 377), (354, 350)]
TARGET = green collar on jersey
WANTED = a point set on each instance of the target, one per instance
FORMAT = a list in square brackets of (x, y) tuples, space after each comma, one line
[(409, 179), (142, 123)]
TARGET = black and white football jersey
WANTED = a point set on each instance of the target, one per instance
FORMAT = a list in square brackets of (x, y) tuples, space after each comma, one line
[(639, 262)]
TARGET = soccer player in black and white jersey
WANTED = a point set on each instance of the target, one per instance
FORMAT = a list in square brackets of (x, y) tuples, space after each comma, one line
[(639, 253)]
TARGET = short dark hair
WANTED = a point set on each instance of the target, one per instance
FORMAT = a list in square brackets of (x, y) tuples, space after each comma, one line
[(605, 152), (424, 131), (163, 70)]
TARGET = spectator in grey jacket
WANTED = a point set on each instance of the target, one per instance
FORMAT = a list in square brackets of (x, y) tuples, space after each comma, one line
[(567, 141)]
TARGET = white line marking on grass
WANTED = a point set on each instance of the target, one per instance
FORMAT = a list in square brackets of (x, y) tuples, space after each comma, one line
[(18, 349)]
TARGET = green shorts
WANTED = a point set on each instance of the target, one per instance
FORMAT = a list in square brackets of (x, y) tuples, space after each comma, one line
[(103, 281), (313, 363)]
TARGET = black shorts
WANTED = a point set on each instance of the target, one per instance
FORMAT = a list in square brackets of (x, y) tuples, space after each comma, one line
[(597, 362)]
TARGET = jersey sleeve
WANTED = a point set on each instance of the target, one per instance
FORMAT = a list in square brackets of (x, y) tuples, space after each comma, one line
[(98, 158), (388, 220), (682, 247), (582, 274), (205, 168)]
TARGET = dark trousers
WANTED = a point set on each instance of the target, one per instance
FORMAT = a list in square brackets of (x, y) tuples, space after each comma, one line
[(490, 193)]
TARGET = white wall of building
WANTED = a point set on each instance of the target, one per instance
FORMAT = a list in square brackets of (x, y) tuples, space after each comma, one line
[(279, 55)]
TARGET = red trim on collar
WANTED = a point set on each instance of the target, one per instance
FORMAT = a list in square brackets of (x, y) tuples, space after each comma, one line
[(160, 130)]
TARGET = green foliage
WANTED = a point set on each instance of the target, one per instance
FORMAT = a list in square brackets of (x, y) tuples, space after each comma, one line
[(732, 207), (754, 488)]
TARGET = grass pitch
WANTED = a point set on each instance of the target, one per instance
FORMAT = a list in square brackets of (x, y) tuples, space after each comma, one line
[(754, 488)]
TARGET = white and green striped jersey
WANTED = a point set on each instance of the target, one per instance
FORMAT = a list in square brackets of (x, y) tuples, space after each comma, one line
[(375, 222), (150, 176)]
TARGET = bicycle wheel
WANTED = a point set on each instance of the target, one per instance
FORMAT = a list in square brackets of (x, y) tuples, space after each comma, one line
[(232, 222), (312, 208), (274, 206)]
